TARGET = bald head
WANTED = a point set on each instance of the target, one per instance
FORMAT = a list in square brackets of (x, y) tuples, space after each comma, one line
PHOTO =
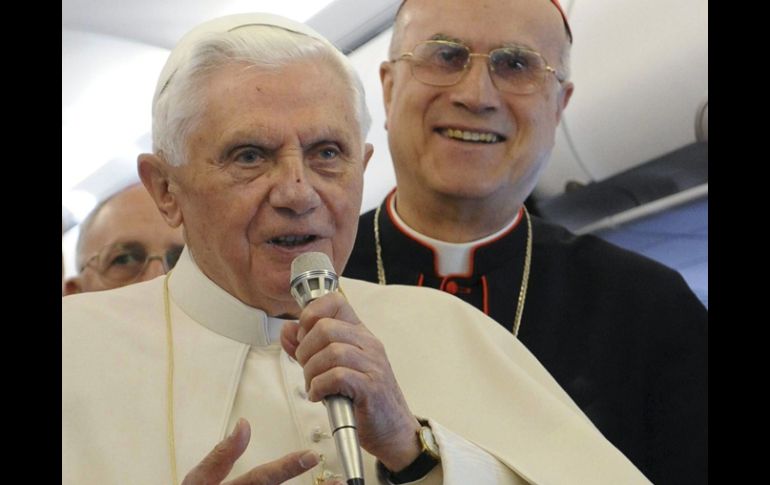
[(130, 216)]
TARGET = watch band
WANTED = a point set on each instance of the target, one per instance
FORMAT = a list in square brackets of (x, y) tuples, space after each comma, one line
[(420, 467)]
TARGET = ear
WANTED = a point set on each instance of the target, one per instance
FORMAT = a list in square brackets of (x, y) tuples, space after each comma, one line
[(386, 79), (72, 286), (368, 151), (156, 177), (564, 96)]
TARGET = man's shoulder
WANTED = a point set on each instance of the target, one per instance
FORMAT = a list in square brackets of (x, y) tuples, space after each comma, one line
[(124, 295), (408, 300), (101, 311), (101, 330), (365, 290), (591, 271), (589, 252)]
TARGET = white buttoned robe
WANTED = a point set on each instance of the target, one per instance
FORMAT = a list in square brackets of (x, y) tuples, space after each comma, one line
[(497, 414)]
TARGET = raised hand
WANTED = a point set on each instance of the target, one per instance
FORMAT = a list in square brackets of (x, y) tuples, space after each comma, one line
[(218, 463)]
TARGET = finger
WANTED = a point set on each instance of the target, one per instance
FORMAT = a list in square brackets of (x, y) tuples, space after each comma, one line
[(280, 470), (332, 305), (339, 380), (217, 464), (327, 331), (289, 338), (334, 355)]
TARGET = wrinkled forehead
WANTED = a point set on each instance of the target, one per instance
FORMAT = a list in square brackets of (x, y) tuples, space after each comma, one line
[(298, 102), (484, 24), (306, 92), (182, 52)]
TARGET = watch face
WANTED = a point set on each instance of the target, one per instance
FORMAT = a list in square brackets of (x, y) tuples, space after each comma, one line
[(429, 442)]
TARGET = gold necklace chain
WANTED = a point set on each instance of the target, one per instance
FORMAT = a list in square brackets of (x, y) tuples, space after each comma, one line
[(170, 381), (524, 279)]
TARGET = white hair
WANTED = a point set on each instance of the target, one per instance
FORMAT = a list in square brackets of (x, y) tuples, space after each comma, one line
[(179, 102)]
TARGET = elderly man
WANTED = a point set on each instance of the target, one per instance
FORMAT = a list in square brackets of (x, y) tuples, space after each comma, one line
[(474, 91), (124, 240), (258, 134)]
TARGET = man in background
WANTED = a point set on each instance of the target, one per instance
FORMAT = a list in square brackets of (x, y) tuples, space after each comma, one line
[(473, 92), (124, 240)]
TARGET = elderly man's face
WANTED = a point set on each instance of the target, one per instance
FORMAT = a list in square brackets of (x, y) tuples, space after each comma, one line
[(423, 121), (275, 169), (131, 217)]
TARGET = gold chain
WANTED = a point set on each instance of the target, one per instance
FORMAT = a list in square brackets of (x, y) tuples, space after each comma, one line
[(170, 381), (378, 247), (524, 279)]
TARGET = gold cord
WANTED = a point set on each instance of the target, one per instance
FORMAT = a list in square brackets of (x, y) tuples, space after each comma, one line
[(378, 247), (170, 381), (524, 278)]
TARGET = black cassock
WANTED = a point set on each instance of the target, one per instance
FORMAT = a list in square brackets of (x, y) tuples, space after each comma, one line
[(622, 334)]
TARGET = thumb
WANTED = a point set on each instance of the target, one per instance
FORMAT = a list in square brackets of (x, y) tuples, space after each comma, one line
[(217, 464), (289, 340), (280, 470)]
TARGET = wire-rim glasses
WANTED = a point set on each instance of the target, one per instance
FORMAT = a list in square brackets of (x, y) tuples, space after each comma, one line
[(125, 262), (513, 69)]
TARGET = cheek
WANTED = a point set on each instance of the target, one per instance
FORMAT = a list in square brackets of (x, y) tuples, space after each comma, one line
[(345, 204), (534, 126)]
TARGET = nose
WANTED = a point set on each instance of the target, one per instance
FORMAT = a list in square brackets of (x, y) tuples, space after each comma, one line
[(292, 191), (155, 267), (476, 91)]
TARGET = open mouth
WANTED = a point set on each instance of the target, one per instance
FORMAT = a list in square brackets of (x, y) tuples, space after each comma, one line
[(470, 136), (292, 241)]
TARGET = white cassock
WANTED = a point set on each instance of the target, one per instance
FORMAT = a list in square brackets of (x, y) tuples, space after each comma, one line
[(497, 414)]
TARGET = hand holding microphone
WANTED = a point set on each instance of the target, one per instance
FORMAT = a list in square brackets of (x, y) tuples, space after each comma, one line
[(340, 356), (313, 276)]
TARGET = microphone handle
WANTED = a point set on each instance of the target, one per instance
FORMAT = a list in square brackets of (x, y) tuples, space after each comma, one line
[(343, 424), (313, 276)]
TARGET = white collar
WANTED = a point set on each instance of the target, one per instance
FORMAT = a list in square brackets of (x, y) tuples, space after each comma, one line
[(219, 311), (452, 258)]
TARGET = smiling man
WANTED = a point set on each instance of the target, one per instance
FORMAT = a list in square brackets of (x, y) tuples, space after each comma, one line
[(474, 91), (259, 149)]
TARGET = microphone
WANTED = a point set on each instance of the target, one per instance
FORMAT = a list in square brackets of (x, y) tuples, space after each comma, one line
[(312, 276)]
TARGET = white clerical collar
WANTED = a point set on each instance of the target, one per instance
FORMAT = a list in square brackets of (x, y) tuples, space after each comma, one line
[(219, 311), (452, 258)]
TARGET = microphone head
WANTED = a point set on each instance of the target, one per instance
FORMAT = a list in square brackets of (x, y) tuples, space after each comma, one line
[(310, 262), (312, 276)]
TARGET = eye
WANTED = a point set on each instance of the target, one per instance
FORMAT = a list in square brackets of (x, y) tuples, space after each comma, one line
[(444, 55), (513, 62), (249, 155), (328, 153), (327, 157), (126, 258), (453, 56)]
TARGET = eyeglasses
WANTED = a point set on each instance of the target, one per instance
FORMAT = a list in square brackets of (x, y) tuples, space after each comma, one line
[(516, 70), (123, 263)]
